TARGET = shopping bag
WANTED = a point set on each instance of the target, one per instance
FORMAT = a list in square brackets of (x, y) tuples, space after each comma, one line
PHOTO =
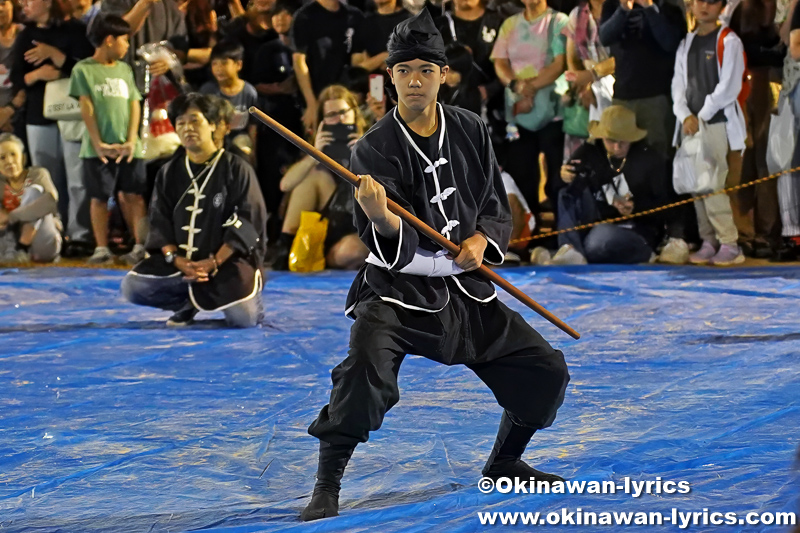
[(576, 120), (58, 104), (694, 170), (782, 138), (308, 249)]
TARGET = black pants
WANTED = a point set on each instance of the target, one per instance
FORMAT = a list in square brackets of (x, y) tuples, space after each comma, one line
[(522, 162), (606, 243), (527, 376)]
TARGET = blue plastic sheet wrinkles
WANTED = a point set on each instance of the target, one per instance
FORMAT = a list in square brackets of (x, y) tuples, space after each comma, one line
[(112, 422)]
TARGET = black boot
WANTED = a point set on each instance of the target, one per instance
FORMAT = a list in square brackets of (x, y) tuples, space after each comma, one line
[(325, 500), (506, 457)]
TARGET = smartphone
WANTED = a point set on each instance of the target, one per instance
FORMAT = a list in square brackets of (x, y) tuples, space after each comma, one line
[(376, 86), (340, 132), (338, 149)]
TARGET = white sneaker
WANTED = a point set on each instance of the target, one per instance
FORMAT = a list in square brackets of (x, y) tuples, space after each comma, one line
[(100, 256), (676, 252), (568, 255), (135, 256), (540, 256)]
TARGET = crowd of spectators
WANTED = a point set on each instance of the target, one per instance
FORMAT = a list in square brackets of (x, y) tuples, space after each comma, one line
[(590, 104)]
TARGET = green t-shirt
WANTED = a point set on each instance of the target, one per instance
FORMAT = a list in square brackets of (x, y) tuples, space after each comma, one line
[(112, 89)]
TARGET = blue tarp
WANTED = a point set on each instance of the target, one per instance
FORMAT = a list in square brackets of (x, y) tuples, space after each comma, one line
[(112, 422)]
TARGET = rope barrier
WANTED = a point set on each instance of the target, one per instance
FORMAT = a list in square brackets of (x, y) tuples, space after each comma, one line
[(74, 264), (655, 210)]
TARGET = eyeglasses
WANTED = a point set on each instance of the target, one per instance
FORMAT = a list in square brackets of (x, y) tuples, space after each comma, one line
[(340, 113)]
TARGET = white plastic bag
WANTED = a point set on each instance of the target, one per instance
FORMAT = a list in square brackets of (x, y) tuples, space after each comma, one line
[(782, 137), (694, 170)]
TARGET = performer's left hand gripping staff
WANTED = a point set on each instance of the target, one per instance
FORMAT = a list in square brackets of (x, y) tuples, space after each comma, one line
[(416, 223), (371, 197)]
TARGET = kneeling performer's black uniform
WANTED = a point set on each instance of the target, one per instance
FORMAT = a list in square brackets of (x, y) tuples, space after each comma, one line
[(198, 208)]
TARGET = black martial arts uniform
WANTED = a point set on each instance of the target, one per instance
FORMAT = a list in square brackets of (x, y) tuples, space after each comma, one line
[(198, 208), (410, 298)]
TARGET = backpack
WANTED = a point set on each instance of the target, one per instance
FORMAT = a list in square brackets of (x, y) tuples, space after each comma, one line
[(747, 85)]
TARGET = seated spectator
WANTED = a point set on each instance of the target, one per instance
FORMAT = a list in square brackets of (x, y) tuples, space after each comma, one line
[(111, 150), (207, 228), (226, 63), (705, 95), (313, 188), (29, 211), (616, 175)]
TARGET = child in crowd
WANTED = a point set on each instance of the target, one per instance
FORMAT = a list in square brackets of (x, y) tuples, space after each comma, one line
[(111, 149), (705, 89), (226, 63)]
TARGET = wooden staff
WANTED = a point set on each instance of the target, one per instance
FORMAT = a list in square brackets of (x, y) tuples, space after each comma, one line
[(416, 223)]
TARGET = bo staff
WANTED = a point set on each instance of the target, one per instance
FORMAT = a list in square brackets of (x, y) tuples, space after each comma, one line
[(416, 223)]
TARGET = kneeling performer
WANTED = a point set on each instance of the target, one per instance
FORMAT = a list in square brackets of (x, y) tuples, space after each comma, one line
[(410, 298), (207, 228)]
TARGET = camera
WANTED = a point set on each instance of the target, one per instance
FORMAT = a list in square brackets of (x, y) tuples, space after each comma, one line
[(582, 170)]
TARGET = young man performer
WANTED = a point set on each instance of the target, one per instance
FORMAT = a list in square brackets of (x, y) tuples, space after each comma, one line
[(410, 298)]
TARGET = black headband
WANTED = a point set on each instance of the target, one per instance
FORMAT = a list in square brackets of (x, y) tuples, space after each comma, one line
[(416, 38)]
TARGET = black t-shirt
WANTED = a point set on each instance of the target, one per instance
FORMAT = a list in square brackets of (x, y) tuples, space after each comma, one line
[(795, 19), (326, 39), (69, 37), (479, 36), (643, 67), (237, 30), (467, 31), (373, 33), (429, 145), (274, 60)]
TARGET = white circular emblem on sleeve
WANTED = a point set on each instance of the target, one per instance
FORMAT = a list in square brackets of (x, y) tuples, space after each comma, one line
[(218, 199)]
